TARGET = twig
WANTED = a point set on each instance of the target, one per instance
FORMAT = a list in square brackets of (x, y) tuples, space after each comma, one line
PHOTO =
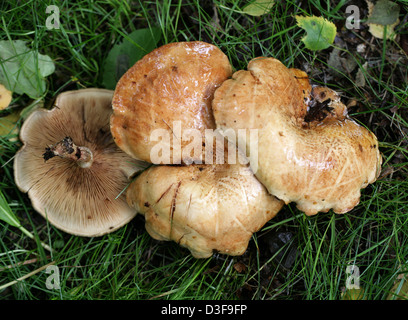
[(26, 276), (21, 263)]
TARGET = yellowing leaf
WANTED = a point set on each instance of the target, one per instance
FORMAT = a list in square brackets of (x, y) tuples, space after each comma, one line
[(320, 32), (377, 30), (353, 294), (5, 97), (399, 290), (258, 7), (384, 12)]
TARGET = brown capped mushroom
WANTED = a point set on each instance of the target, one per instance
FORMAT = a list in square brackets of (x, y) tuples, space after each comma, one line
[(202, 207), (309, 150), (174, 83), (71, 168)]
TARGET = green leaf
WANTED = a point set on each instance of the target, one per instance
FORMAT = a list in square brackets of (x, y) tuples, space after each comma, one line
[(23, 70), (320, 32), (5, 212), (384, 13), (125, 54), (258, 7)]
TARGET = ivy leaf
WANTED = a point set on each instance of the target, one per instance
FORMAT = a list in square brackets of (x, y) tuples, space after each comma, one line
[(320, 32), (258, 7), (23, 70), (125, 54)]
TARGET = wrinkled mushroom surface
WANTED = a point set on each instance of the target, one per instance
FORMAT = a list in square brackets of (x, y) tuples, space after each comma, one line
[(309, 150), (78, 191), (202, 207), (169, 89)]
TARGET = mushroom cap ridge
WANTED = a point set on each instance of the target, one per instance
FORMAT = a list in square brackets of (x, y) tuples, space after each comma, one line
[(320, 162), (83, 202)]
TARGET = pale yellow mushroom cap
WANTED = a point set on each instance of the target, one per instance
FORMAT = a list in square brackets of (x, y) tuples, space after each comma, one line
[(309, 150), (205, 208)]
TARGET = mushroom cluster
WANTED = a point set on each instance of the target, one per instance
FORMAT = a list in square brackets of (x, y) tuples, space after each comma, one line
[(158, 146), (194, 196), (309, 151)]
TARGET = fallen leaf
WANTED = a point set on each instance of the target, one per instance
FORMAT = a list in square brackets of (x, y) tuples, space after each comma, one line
[(8, 126), (399, 291), (341, 65), (383, 17), (320, 32), (239, 267), (378, 30), (258, 7), (22, 70), (384, 12), (360, 79), (353, 294), (5, 97)]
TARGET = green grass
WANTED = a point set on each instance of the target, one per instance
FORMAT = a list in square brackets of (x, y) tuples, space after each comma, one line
[(129, 264)]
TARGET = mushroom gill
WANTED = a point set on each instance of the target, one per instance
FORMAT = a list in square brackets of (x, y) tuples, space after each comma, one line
[(79, 197)]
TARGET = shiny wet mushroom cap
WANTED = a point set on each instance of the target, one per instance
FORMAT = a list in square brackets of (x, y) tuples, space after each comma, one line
[(170, 89), (309, 150), (70, 167)]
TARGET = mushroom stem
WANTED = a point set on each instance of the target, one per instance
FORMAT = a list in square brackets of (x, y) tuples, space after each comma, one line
[(67, 149)]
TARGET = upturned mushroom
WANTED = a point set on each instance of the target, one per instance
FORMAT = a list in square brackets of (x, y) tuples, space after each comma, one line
[(71, 168), (309, 150), (170, 87), (205, 208)]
